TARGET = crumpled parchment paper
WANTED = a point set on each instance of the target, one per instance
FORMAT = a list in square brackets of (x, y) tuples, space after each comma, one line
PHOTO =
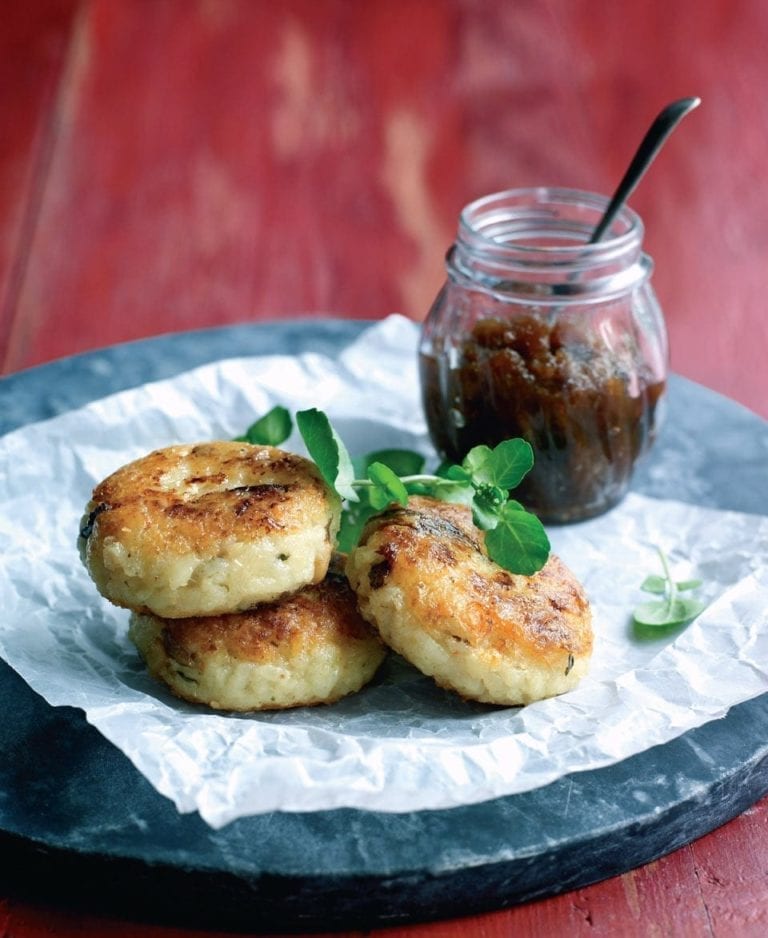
[(401, 744)]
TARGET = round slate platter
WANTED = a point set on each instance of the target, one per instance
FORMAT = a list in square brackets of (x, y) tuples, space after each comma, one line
[(78, 824)]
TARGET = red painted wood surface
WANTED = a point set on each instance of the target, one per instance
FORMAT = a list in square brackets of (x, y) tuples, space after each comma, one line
[(34, 41), (223, 160), (172, 164)]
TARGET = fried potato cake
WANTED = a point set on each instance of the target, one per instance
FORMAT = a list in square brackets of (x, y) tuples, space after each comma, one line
[(312, 647), (423, 578), (208, 529)]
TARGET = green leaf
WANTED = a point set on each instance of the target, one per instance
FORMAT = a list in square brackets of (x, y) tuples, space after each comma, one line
[(272, 429), (482, 518), (327, 450), (403, 462), (509, 463), (672, 609), (519, 542), (486, 506), (354, 517), (455, 494), (660, 585), (654, 584), (454, 473), (388, 486), (504, 466), (659, 613), (477, 463), (689, 584), (378, 498)]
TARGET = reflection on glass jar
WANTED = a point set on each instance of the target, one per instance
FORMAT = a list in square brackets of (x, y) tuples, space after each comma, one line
[(539, 334)]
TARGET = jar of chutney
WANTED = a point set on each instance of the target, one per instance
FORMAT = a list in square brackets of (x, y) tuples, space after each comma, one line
[(538, 333)]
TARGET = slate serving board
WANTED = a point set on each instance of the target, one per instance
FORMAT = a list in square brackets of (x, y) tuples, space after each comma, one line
[(78, 824)]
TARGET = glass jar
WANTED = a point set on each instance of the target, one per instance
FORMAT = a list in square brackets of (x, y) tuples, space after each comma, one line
[(539, 334)]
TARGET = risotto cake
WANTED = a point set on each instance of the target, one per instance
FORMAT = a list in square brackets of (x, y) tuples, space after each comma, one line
[(423, 578), (312, 647), (208, 529)]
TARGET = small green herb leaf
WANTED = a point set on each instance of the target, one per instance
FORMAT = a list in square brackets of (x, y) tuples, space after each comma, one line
[(504, 466), (327, 450), (403, 462), (671, 609), (674, 612), (658, 584), (459, 494), (685, 585), (353, 520), (519, 542), (387, 486), (654, 584), (477, 464), (510, 462), (272, 429), (487, 503), (453, 472)]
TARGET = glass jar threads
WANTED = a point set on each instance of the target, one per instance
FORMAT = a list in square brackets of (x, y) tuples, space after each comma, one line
[(539, 334)]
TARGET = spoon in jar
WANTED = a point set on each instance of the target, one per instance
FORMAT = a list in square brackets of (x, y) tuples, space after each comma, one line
[(650, 145)]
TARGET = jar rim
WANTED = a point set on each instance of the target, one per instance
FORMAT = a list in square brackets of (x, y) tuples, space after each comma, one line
[(539, 205)]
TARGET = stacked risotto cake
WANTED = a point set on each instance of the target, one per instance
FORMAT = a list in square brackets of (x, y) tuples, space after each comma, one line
[(224, 554)]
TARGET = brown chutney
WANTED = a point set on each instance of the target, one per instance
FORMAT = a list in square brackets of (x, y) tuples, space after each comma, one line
[(588, 408)]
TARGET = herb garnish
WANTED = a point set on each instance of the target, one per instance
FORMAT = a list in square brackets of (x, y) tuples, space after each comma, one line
[(515, 538), (671, 608), (272, 429)]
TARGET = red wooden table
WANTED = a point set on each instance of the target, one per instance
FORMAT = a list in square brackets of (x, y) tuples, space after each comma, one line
[(172, 164)]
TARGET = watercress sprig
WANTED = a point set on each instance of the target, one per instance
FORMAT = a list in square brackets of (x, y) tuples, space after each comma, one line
[(272, 429), (672, 608), (515, 538), (329, 453)]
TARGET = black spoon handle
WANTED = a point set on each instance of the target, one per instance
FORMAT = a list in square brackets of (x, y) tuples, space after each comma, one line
[(650, 145)]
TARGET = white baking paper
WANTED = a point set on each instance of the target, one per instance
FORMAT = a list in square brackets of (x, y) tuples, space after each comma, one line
[(401, 744)]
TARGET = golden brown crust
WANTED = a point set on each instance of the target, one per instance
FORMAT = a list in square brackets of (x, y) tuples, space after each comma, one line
[(181, 495), (422, 575), (310, 648), (208, 528), (272, 631), (435, 545)]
